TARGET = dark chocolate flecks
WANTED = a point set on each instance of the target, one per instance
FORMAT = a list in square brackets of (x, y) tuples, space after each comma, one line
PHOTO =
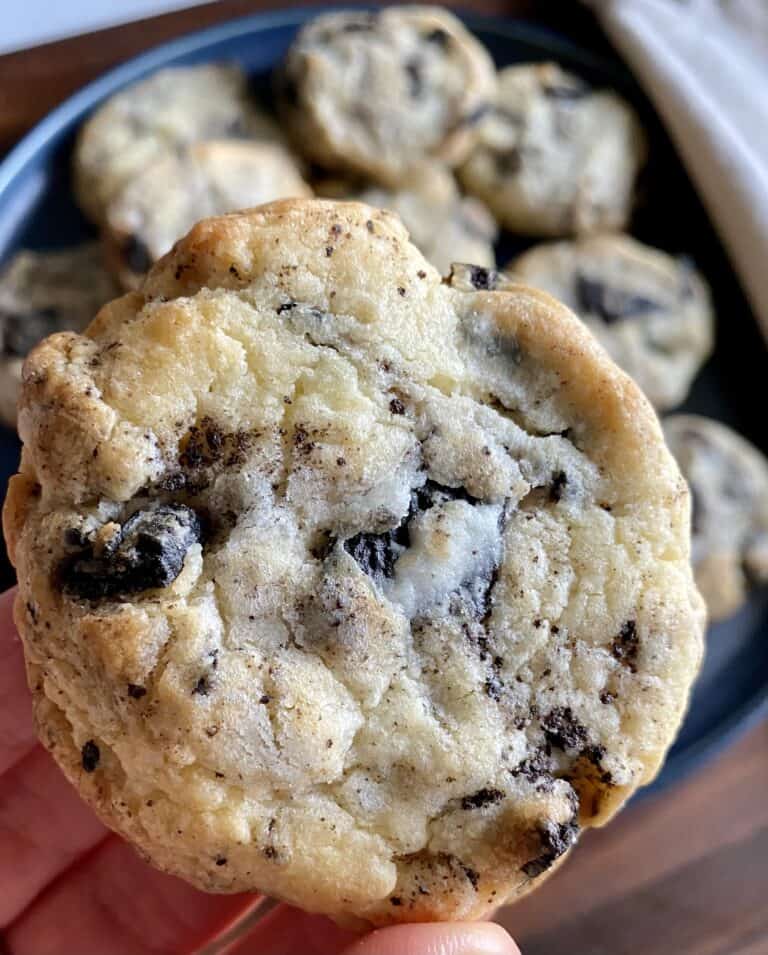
[(626, 644), (557, 487), (563, 730), (535, 767), (148, 552), (439, 37), (610, 304), (509, 162), (203, 686), (90, 756), (396, 406), (413, 70), (207, 444), (473, 877), (556, 839), (482, 798), (136, 692), (494, 687)]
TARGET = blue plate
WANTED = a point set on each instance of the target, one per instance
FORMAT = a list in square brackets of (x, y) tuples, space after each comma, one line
[(37, 210)]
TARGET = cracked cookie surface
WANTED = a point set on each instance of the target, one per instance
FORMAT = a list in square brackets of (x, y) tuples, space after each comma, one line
[(554, 156), (651, 311), (728, 478), (378, 93), (417, 601)]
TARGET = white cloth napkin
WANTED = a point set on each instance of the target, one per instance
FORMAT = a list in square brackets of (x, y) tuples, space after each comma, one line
[(704, 63)]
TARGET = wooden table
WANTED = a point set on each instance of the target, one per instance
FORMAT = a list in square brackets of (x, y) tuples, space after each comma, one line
[(684, 874)]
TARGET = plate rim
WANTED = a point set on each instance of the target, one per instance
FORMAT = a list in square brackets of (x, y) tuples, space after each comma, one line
[(753, 709)]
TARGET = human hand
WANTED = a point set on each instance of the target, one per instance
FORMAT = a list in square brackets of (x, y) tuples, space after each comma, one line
[(67, 884)]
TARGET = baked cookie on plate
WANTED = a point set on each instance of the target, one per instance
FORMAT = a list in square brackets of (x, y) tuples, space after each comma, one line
[(169, 110), (162, 202), (376, 587), (728, 478), (378, 92), (651, 310), (556, 157)]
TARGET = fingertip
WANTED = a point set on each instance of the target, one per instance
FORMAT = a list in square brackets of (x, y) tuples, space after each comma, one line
[(457, 938)]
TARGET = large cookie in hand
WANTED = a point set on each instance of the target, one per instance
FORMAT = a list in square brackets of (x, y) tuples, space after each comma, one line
[(341, 582)]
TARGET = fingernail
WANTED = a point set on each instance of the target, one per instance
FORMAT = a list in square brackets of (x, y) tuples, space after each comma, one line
[(458, 938)]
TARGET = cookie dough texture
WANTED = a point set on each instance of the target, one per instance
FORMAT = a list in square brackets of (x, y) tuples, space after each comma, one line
[(650, 310), (168, 111), (556, 157), (378, 93), (445, 226), (162, 202), (42, 293), (728, 478), (342, 582)]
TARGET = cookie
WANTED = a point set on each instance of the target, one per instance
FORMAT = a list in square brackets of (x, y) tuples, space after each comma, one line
[(42, 293), (444, 225), (378, 93), (376, 587), (163, 201), (728, 478), (652, 311), (555, 157), (169, 110)]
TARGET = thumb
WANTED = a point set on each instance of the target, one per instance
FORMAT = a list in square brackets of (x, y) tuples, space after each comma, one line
[(458, 938)]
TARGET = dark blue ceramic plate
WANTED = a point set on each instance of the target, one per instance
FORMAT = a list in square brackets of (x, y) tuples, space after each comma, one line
[(37, 210)]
